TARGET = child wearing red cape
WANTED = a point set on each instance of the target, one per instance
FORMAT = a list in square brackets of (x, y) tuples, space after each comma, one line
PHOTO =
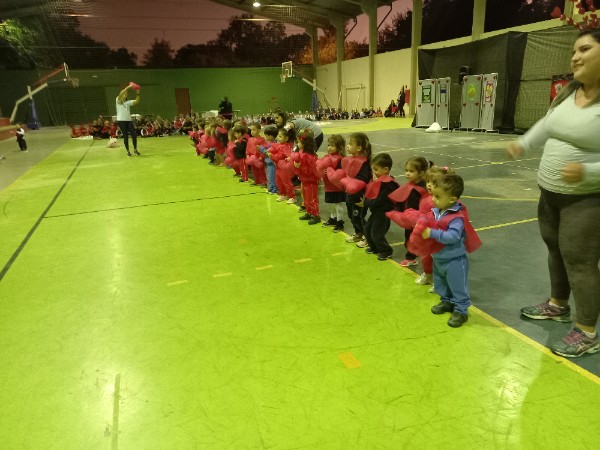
[(408, 196), (446, 233), (377, 200)]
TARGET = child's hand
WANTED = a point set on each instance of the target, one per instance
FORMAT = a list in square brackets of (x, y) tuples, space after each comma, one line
[(287, 159), (269, 154), (426, 233), (297, 165), (361, 203)]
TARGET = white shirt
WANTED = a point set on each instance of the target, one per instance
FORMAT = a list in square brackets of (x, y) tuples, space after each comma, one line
[(123, 112)]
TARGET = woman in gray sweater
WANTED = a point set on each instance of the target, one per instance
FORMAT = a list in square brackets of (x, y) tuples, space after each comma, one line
[(569, 206)]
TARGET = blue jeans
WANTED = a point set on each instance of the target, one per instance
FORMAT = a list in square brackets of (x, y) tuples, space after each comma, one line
[(271, 176), (451, 281)]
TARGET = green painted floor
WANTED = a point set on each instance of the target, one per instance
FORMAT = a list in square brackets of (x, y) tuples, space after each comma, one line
[(157, 303)]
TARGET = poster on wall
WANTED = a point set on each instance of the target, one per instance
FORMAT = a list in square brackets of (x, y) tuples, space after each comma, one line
[(426, 94), (558, 82), (488, 91)]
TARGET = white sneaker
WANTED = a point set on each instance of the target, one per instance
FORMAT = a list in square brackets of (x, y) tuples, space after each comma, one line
[(425, 278), (282, 198), (362, 243), (432, 290), (291, 201), (354, 238)]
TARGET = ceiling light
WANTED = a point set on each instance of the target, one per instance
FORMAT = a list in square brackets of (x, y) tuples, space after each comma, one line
[(256, 4)]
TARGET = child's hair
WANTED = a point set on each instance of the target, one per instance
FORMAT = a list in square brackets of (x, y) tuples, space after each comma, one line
[(271, 131), (437, 171), (290, 133), (362, 141), (382, 160), (338, 141), (227, 124), (419, 163), (450, 183), (255, 125), (240, 128), (307, 138)]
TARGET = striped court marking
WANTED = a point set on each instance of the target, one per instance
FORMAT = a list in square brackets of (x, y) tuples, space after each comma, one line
[(302, 260), (221, 275), (264, 267), (175, 283), (499, 163), (115, 424), (349, 360), (502, 199)]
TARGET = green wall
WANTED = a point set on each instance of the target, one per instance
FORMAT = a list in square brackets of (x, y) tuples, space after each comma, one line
[(251, 90)]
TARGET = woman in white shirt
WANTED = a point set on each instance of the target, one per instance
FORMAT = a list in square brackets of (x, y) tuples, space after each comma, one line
[(569, 206), (124, 117)]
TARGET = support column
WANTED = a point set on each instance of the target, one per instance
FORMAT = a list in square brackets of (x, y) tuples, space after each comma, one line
[(478, 25), (340, 36), (370, 9), (314, 39), (417, 22)]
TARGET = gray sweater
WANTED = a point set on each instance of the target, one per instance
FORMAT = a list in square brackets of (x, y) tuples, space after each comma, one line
[(567, 134)]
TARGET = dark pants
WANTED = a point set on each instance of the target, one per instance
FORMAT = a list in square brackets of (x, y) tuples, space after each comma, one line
[(569, 227), (127, 129), (22, 142), (318, 141), (375, 230), (409, 255), (357, 214)]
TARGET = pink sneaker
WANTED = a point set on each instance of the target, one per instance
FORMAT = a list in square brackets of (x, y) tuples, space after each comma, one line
[(135, 87)]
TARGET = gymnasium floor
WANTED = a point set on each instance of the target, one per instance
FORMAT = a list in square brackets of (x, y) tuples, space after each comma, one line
[(156, 303)]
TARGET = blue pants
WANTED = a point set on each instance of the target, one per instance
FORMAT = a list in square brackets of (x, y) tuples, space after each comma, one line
[(271, 176), (451, 281)]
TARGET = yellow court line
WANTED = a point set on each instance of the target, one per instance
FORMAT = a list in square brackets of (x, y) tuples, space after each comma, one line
[(175, 283), (115, 424), (502, 199), (339, 254), (302, 260), (220, 275), (590, 376), (264, 267), (500, 225)]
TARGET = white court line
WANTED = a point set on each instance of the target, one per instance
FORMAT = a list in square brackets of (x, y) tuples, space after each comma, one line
[(264, 267), (339, 254), (175, 283), (302, 260)]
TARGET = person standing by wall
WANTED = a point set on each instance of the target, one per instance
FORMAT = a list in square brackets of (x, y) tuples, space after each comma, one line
[(226, 108), (124, 116)]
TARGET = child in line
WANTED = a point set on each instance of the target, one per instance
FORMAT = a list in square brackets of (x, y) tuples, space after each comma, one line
[(334, 194), (357, 166), (20, 134), (409, 196), (270, 136), (425, 206), (378, 203), (305, 162), (284, 172), (254, 158), (240, 132), (222, 135), (452, 236)]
